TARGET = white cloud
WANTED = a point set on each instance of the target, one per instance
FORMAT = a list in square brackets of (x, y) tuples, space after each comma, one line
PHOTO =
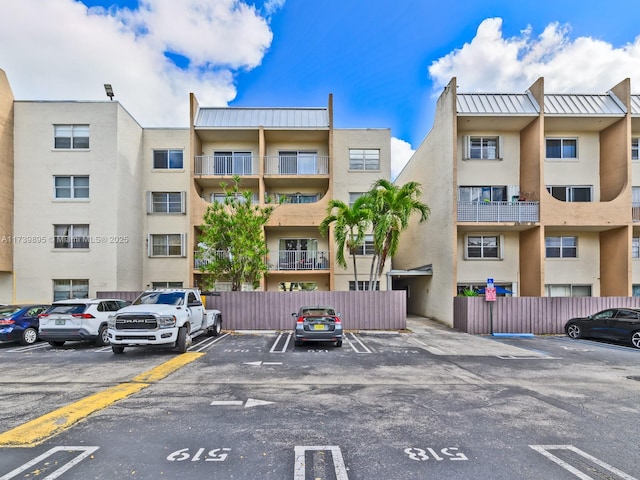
[(126, 48), (401, 152), (490, 62)]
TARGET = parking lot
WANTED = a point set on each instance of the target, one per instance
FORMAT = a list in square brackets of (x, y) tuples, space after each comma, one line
[(428, 403)]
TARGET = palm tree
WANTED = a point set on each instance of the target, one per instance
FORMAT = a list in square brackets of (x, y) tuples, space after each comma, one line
[(391, 207), (350, 223)]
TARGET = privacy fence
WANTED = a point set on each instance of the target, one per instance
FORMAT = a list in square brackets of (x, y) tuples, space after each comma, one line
[(366, 310), (537, 315)]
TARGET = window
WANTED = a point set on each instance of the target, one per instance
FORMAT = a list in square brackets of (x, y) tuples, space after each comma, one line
[(570, 193), (635, 247), (483, 246), (167, 245), (483, 148), (298, 162), (167, 159), (634, 149), (232, 163), (562, 148), (353, 196), (166, 284), (363, 285), (297, 286), (71, 236), (240, 198), (66, 289), (71, 136), (166, 202), (364, 159), (561, 247), (635, 290), (71, 187), (554, 290), (297, 197), (366, 248), (482, 194)]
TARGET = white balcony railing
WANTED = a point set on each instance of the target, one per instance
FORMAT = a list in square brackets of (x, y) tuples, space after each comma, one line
[(299, 260), (226, 165), (519, 212), (296, 165), (198, 263)]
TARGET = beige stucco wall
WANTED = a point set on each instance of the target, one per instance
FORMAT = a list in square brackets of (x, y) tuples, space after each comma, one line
[(112, 260), (433, 242), (164, 269), (583, 270), (505, 171), (6, 183), (503, 270)]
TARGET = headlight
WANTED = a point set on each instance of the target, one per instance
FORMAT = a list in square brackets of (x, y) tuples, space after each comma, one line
[(111, 322), (165, 322)]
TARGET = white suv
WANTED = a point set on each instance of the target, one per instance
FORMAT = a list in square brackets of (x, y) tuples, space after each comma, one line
[(83, 319)]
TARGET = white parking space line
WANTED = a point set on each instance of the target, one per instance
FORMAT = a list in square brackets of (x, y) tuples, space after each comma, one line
[(428, 348), (544, 450), (86, 451), (356, 344), (208, 343), (274, 347), (29, 348), (301, 464)]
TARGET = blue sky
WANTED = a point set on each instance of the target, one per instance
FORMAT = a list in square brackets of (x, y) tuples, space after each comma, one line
[(384, 62)]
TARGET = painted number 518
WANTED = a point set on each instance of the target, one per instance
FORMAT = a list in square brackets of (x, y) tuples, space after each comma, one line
[(215, 455), (448, 453)]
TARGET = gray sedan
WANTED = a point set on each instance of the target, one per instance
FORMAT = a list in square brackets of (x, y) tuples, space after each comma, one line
[(318, 324)]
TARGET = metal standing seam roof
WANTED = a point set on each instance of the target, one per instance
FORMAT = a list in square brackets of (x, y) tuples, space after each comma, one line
[(232, 117), (496, 104), (635, 104), (574, 104)]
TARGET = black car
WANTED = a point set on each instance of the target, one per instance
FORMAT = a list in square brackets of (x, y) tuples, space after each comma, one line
[(622, 324)]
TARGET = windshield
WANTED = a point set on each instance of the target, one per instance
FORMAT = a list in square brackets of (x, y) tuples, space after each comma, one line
[(162, 298)]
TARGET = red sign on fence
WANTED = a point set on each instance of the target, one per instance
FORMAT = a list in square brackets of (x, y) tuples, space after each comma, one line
[(490, 294)]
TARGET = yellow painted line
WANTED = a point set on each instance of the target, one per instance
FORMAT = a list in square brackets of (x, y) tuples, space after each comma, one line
[(161, 371), (37, 431)]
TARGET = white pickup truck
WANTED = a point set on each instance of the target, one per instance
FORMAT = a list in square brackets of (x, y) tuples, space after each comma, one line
[(166, 317)]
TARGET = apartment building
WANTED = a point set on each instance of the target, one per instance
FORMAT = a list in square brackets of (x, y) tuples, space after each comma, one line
[(534, 190), (96, 202), (295, 158)]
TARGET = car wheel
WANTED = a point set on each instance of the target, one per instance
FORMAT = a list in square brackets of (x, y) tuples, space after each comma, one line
[(182, 344), (574, 331), (56, 343), (635, 339), (103, 337), (29, 336), (117, 349), (217, 327), (339, 343)]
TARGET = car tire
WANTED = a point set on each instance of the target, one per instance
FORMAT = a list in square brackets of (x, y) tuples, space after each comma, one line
[(182, 344), (339, 343), (56, 343), (29, 336), (635, 339), (574, 331), (117, 349), (103, 337), (217, 327)]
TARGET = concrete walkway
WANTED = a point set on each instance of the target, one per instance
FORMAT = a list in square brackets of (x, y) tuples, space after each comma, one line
[(440, 339)]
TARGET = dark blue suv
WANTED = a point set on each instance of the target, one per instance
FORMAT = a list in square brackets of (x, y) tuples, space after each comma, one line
[(19, 323)]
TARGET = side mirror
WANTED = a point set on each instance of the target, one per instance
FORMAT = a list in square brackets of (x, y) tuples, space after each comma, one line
[(294, 314)]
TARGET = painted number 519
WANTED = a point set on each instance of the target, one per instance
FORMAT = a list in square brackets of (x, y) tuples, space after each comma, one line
[(215, 455)]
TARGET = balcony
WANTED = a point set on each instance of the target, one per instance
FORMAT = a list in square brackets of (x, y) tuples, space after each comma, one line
[(299, 260), (517, 212), (225, 165), (296, 165), (198, 263)]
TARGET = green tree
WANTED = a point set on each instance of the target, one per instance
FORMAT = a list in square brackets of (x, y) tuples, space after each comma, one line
[(349, 223), (391, 206), (231, 245)]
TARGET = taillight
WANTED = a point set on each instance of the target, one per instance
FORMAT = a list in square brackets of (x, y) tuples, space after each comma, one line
[(42, 315), (300, 319), (7, 322), (82, 315), (337, 319)]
